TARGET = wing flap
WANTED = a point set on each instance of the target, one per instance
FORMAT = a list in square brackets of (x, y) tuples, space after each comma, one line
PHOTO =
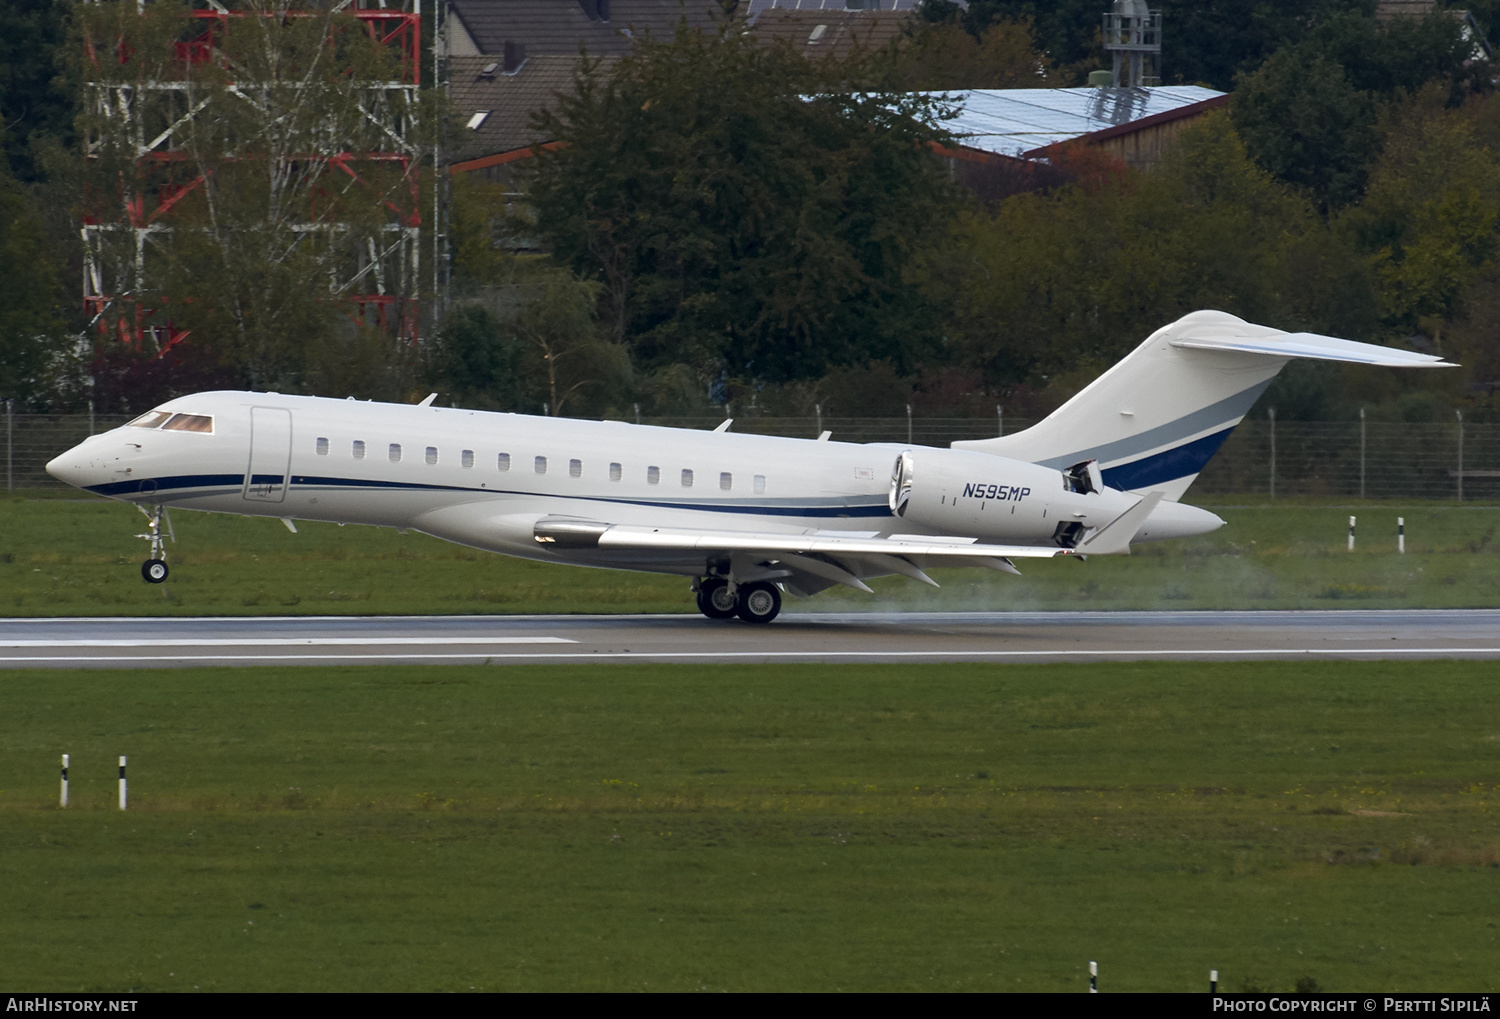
[(810, 544), (568, 532)]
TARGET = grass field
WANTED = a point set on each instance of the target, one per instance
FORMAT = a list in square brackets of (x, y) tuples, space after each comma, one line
[(805, 827), (64, 557)]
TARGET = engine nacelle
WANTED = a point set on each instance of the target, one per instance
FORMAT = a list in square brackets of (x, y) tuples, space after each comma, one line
[(996, 499)]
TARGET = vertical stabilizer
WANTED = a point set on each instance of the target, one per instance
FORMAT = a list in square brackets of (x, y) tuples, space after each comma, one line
[(1154, 419)]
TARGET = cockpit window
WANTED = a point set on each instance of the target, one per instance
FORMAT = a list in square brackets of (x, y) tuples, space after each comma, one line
[(150, 419), (189, 423)]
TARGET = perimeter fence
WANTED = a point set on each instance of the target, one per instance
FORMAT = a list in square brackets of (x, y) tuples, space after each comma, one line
[(1271, 459)]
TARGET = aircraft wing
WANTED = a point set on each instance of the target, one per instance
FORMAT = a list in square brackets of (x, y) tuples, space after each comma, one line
[(828, 556)]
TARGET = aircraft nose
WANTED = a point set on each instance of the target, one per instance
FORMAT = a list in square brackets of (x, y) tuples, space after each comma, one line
[(76, 467), (64, 466)]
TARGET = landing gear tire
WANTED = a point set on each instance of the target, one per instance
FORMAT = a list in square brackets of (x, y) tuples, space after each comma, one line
[(154, 570), (759, 602), (714, 599)]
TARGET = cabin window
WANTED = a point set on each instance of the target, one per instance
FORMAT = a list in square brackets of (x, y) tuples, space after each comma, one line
[(575, 468), (615, 472), (541, 465), (432, 454), (359, 449), (322, 446), (726, 481), (189, 423), (653, 475), (395, 452), (151, 419), (503, 461), (687, 478), (760, 484), (466, 458)]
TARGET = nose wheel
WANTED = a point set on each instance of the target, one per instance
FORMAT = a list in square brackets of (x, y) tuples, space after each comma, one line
[(154, 570)]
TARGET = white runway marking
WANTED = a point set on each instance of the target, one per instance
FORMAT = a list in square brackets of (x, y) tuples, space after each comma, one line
[(282, 641), (910, 638), (829, 656)]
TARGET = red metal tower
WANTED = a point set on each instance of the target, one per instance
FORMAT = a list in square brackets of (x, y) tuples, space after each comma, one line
[(144, 107)]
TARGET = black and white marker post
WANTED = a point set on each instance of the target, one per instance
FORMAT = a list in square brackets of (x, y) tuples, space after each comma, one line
[(1401, 536), (1093, 977), (1213, 981), (1351, 534), (63, 798), (122, 781)]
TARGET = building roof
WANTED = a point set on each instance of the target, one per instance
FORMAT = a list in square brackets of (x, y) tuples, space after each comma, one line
[(603, 27), (1385, 10), (1018, 122), (510, 100), (834, 32), (755, 8)]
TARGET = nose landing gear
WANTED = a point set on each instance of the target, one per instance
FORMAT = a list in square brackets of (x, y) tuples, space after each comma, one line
[(154, 570), (757, 602)]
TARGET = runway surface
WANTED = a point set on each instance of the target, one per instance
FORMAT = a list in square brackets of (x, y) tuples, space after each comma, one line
[(862, 637)]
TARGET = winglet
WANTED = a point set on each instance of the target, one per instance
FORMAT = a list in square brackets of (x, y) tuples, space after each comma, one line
[(1114, 538), (428, 402)]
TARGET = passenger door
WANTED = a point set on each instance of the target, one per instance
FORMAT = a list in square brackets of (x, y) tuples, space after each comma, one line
[(270, 454)]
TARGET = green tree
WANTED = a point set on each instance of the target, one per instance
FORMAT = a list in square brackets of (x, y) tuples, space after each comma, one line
[(1429, 223), (529, 342), (944, 55), (744, 209), (1401, 55), (1204, 42), (476, 361), (1067, 31), (1052, 288), (1309, 113), (33, 338), (34, 103), (1211, 42), (1304, 121), (477, 213)]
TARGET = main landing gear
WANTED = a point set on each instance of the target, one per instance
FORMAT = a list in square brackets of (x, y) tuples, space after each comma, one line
[(756, 602), (154, 570)]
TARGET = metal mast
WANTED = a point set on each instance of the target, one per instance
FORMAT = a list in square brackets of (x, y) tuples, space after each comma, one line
[(144, 105), (1132, 35)]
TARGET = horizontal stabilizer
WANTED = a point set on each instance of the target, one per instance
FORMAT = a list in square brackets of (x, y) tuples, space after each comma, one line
[(1311, 345)]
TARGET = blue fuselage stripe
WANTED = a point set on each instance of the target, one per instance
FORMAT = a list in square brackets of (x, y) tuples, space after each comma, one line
[(183, 486), (176, 485), (1168, 465)]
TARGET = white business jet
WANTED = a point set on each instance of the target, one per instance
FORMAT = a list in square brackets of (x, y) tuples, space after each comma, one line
[(743, 516)]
